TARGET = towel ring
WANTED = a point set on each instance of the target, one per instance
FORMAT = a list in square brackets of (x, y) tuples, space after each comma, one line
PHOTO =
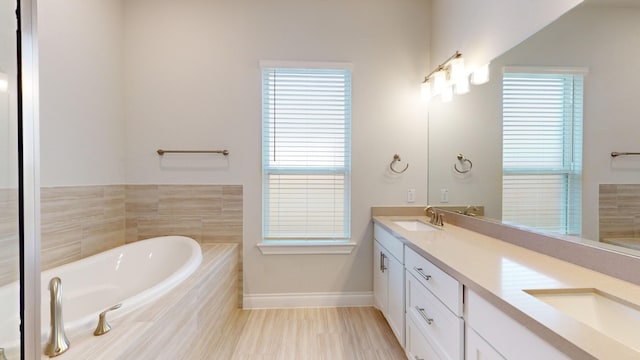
[(463, 160), (396, 158)]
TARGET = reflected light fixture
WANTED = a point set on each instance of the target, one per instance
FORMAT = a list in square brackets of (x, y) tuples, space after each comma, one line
[(480, 75), (451, 77), (4, 82)]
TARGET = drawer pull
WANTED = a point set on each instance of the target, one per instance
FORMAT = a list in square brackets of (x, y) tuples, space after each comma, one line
[(424, 315), (382, 258), (417, 358), (421, 273)]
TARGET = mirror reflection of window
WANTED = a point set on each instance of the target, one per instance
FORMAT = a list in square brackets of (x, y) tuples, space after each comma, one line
[(542, 148)]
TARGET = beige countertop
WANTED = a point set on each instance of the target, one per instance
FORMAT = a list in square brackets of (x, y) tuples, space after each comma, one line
[(500, 271)]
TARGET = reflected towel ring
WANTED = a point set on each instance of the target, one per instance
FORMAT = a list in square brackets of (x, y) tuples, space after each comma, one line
[(463, 160), (396, 158)]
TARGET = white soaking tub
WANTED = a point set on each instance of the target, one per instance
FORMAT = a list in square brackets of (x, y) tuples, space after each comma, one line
[(134, 275)]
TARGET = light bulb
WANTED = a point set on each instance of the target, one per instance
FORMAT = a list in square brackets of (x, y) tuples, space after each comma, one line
[(439, 82), (481, 75), (447, 94), (462, 85), (457, 68), (425, 91)]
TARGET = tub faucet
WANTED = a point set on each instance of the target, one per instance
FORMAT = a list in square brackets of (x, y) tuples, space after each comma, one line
[(58, 342)]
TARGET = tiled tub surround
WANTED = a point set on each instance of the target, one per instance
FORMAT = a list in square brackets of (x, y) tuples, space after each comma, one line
[(9, 250), (500, 272), (619, 214), (79, 221), (206, 213), (186, 323)]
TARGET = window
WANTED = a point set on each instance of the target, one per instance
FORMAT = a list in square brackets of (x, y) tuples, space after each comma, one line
[(306, 154), (542, 150)]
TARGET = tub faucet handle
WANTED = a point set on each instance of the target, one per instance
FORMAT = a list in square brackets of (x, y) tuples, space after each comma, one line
[(58, 342), (103, 326)]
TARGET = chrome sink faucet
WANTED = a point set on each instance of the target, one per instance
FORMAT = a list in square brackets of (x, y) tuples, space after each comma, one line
[(468, 210), (58, 342)]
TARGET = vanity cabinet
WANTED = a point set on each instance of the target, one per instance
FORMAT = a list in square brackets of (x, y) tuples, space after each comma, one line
[(388, 280), (505, 336), (478, 349), (434, 306)]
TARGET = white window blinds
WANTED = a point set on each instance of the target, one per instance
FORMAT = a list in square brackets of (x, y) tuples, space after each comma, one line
[(542, 150), (306, 154)]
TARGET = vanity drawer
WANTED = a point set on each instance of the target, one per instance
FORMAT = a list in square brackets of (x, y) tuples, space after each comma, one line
[(389, 242), (443, 329), (441, 284), (418, 347)]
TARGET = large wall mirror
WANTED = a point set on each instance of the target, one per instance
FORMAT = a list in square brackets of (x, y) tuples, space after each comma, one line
[(598, 38)]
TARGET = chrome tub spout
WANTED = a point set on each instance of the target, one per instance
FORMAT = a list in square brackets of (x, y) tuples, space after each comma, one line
[(58, 342)]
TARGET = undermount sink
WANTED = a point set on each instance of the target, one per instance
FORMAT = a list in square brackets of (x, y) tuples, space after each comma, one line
[(415, 225), (605, 313)]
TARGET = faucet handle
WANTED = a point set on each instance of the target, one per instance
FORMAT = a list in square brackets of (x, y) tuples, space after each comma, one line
[(103, 326)]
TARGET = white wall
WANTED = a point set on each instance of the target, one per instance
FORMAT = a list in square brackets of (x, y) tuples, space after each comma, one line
[(599, 38), (81, 100), (482, 30), (193, 81), (8, 98)]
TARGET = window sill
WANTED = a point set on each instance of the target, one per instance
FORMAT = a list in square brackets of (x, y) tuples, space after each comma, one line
[(306, 248)]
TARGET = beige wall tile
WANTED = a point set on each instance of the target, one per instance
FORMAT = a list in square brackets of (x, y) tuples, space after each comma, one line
[(619, 211), (79, 221), (207, 213)]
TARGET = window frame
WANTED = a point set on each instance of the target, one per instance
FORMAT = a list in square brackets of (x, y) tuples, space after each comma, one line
[(306, 245), (572, 137)]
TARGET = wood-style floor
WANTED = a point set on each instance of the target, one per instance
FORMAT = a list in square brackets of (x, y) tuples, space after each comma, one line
[(318, 333)]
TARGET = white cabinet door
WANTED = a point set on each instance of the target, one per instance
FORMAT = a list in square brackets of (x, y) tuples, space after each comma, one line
[(380, 278), (395, 305), (418, 348), (478, 349)]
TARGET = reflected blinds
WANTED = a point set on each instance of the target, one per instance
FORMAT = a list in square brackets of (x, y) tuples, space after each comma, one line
[(306, 154), (542, 150)]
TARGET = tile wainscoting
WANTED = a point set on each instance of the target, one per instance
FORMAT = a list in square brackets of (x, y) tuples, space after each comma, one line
[(9, 242), (619, 214), (79, 221)]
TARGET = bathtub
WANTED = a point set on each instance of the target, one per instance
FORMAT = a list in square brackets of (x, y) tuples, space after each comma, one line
[(134, 275)]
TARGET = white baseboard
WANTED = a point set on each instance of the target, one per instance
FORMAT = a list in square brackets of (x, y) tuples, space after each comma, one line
[(301, 300)]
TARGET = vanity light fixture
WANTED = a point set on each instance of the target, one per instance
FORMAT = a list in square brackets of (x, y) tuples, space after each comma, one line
[(451, 77), (447, 94), (462, 85), (4, 82)]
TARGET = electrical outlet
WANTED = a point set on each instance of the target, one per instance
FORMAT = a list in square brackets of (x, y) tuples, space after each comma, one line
[(444, 195), (411, 195)]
